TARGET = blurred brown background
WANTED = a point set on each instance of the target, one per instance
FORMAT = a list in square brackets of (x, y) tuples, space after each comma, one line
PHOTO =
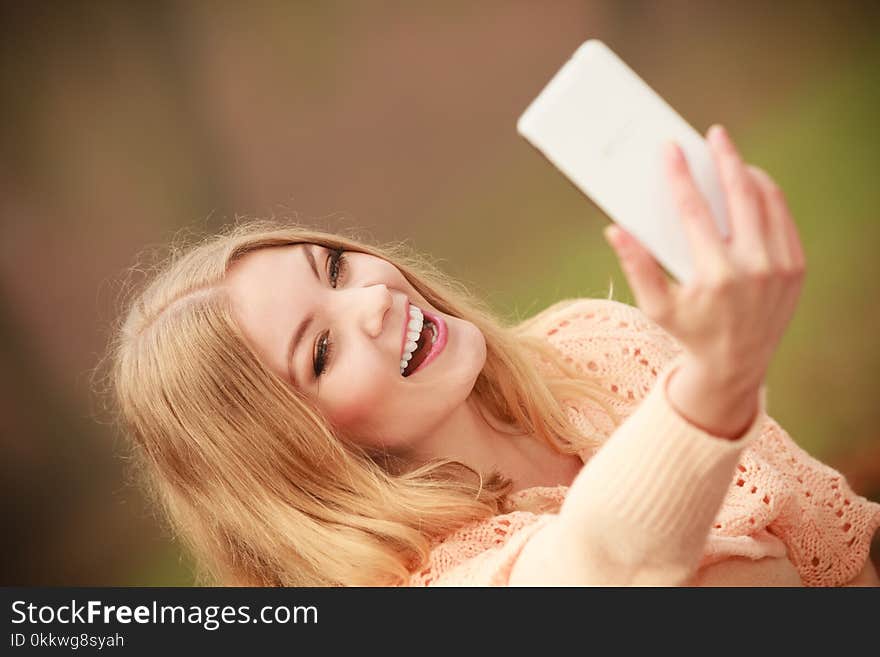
[(125, 121)]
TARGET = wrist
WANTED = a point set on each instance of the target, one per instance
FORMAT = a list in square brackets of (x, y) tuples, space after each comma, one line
[(711, 401), (728, 380)]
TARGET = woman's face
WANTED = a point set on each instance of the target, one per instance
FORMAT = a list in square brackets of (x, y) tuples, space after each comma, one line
[(358, 305)]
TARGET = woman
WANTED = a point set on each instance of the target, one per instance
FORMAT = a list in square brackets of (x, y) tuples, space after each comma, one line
[(310, 410)]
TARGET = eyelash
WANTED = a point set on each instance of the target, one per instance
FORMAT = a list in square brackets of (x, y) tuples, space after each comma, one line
[(337, 266)]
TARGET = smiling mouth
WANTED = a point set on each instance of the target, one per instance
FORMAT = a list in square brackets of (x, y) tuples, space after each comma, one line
[(424, 340), (424, 345), (419, 336)]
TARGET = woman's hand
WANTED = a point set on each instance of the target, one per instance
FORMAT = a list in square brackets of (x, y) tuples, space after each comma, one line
[(732, 315)]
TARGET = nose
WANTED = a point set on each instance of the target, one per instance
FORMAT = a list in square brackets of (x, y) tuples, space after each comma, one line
[(372, 304)]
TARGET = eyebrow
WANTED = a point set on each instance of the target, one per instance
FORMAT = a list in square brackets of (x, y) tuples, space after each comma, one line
[(303, 327)]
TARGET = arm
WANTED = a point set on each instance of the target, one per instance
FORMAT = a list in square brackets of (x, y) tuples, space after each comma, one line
[(640, 510)]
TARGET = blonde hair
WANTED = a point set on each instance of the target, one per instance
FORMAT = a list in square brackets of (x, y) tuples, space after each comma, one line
[(249, 472)]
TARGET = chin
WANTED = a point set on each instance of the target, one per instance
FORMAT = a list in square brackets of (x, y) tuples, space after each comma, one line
[(479, 354)]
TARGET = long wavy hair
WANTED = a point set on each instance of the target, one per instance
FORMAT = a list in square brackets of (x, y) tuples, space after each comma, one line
[(248, 471)]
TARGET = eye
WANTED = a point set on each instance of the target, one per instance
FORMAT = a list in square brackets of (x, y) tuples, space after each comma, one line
[(338, 266), (323, 354)]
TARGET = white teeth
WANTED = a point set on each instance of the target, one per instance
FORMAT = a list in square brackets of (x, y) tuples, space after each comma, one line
[(413, 331)]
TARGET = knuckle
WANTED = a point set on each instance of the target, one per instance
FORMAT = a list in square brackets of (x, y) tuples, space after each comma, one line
[(794, 272), (788, 272), (761, 274), (723, 282), (739, 185)]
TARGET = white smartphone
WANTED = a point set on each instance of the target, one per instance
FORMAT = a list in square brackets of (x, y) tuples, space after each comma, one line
[(603, 127)]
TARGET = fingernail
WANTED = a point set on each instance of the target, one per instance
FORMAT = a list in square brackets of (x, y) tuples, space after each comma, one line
[(609, 234), (614, 236), (758, 171), (718, 134)]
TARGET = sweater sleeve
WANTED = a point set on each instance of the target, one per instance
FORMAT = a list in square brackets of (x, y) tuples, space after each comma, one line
[(641, 509)]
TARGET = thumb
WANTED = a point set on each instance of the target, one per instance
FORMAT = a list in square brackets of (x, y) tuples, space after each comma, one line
[(645, 277)]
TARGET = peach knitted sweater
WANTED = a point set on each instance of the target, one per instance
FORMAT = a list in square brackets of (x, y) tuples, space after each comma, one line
[(677, 506)]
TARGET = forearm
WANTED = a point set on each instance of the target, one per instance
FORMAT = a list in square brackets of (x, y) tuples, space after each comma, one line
[(640, 511)]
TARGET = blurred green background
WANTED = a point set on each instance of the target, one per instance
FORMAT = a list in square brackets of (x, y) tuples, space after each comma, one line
[(125, 121)]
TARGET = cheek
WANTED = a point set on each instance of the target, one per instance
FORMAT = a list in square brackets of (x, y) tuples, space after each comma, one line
[(359, 396)]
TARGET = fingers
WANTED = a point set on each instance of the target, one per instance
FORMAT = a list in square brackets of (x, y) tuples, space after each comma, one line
[(705, 241), (743, 203), (783, 232), (645, 277), (786, 251)]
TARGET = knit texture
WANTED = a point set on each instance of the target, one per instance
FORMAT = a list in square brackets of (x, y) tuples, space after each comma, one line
[(760, 496)]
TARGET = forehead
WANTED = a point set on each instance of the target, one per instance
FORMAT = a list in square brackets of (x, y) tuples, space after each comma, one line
[(267, 288), (266, 261)]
